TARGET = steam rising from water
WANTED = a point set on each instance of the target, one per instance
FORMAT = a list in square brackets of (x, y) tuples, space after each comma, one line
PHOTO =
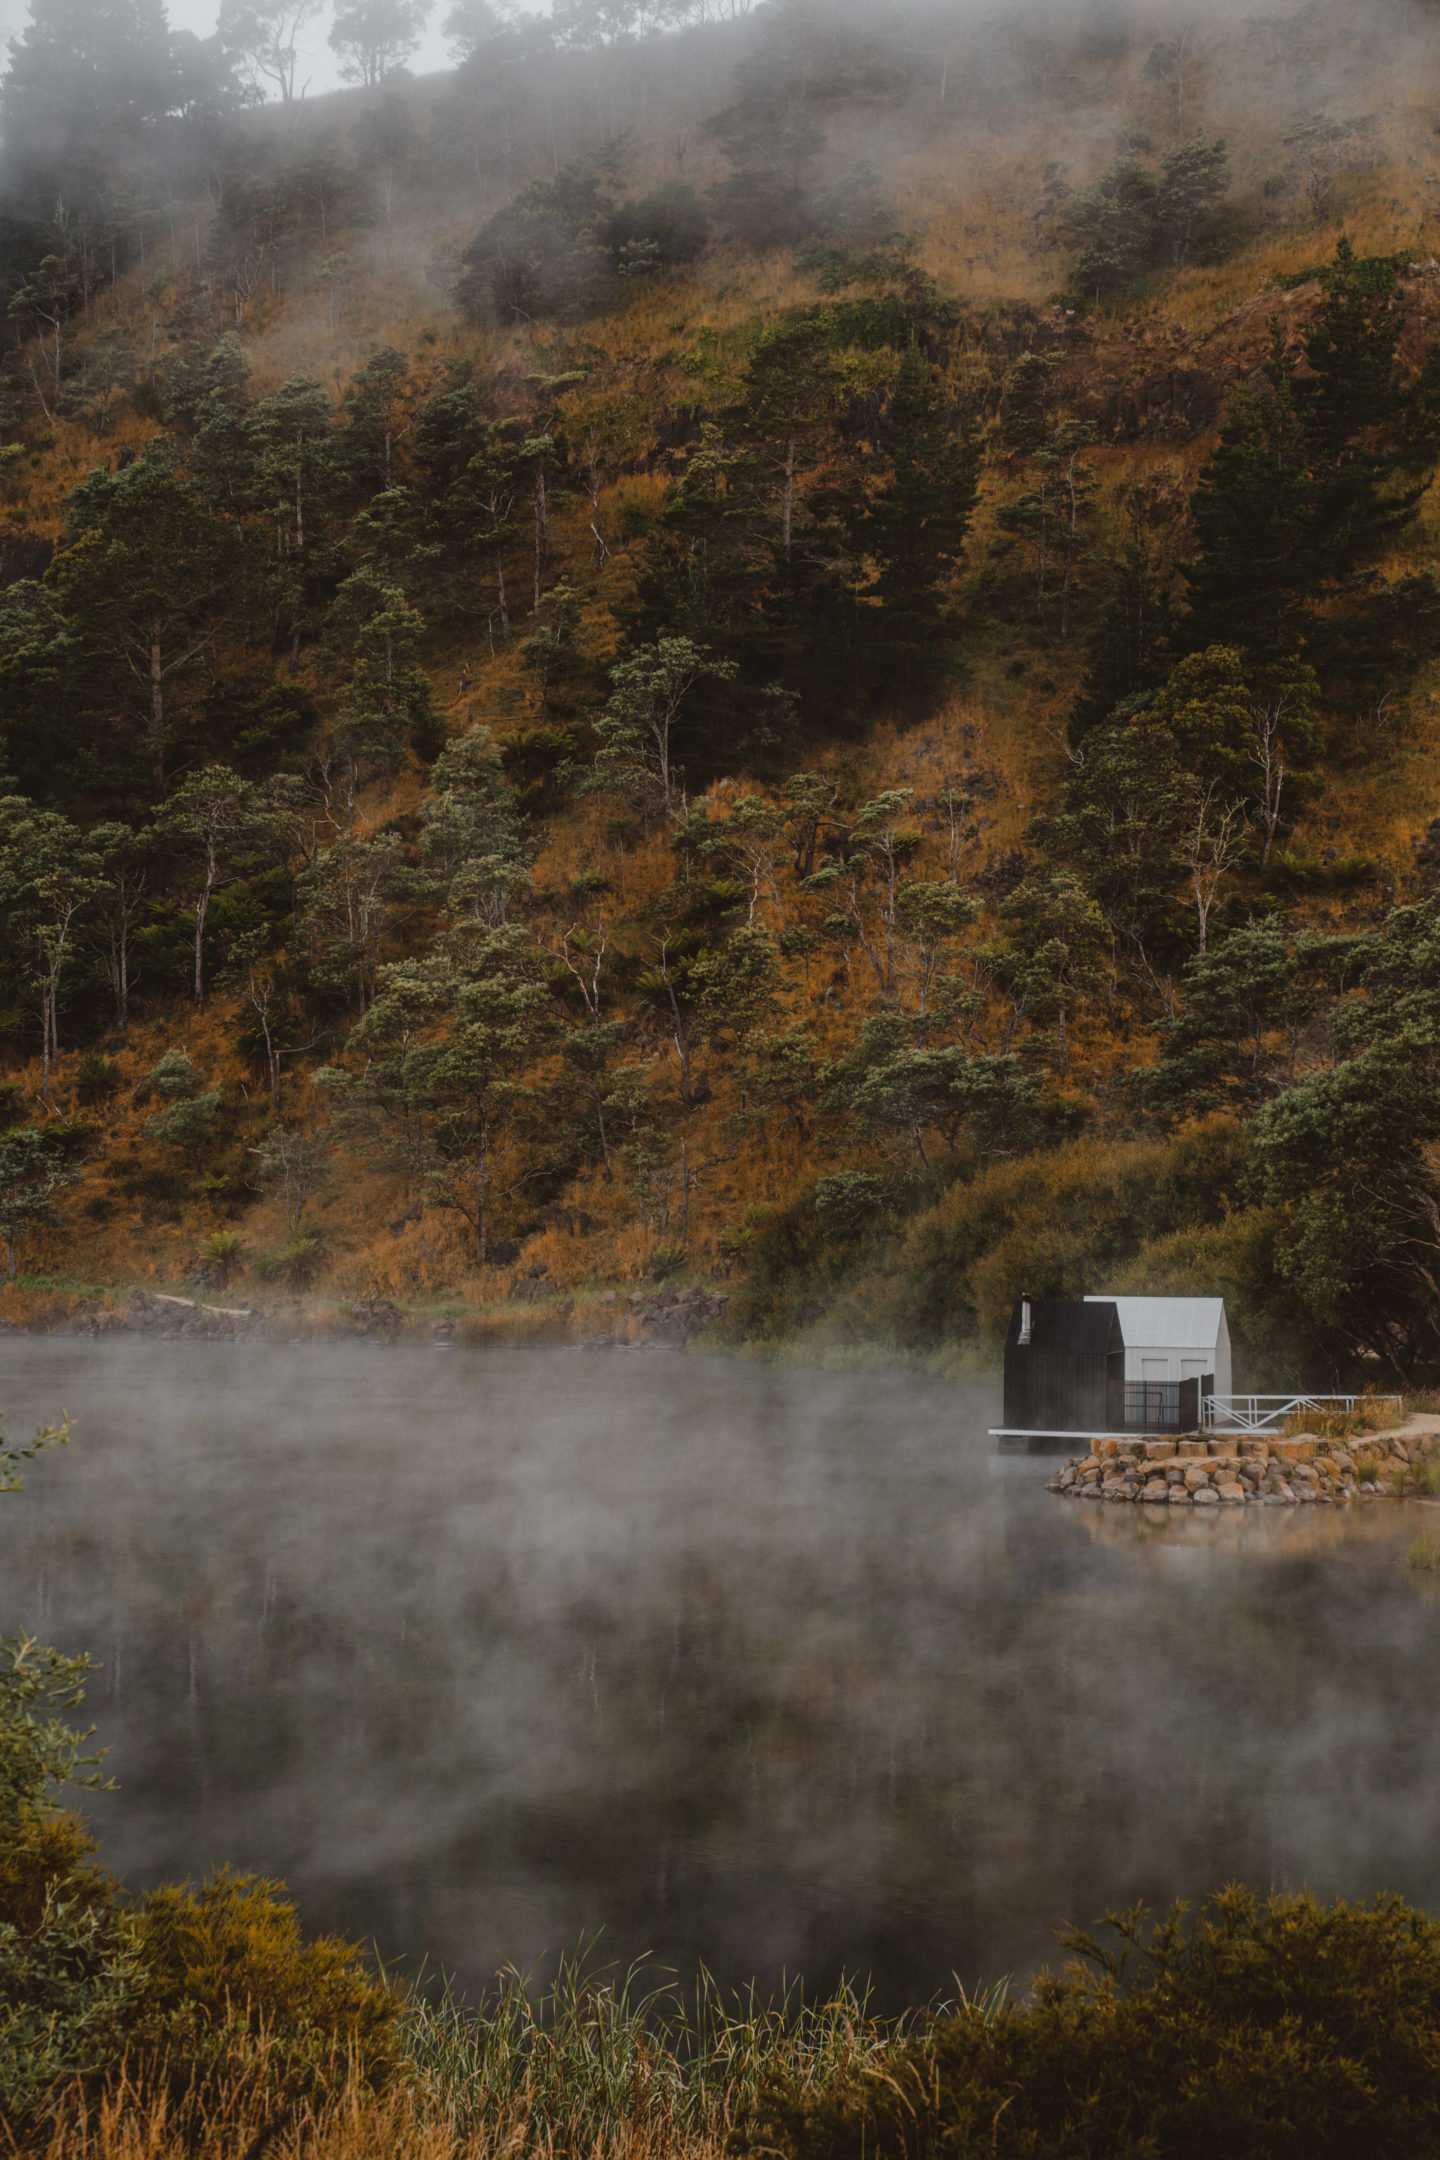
[(480, 1652)]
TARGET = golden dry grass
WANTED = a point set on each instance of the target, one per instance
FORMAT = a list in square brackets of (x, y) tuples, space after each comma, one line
[(403, 2126), (967, 185)]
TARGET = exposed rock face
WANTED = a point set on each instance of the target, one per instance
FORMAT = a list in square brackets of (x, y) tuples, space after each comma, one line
[(530, 1288), (676, 1316), (147, 1314)]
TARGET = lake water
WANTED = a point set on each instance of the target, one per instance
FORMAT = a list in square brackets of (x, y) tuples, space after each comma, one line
[(485, 1652)]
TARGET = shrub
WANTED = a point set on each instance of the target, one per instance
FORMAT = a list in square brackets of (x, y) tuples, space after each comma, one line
[(98, 1078), (226, 1965), (1371, 1413), (175, 1079), (1268, 2029), (295, 1260), (666, 228), (539, 255), (221, 1255), (192, 1987), (69, 1970), (188, 1125), (941, 1259)]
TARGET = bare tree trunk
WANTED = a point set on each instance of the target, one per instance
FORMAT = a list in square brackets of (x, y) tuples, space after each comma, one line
[(788, 500), (45, 1047), (157, 710), (202, 906)]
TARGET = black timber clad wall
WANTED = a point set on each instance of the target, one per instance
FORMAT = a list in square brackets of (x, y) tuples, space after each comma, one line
[(1070, 1376)]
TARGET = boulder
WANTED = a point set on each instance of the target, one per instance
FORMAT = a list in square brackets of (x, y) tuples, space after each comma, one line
[(157, 1314)]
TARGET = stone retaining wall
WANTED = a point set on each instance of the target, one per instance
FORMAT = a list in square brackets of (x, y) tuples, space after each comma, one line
[(1258, 1471)]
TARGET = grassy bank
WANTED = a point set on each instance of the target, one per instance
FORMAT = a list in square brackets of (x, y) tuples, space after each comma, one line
[(1266, 2027)]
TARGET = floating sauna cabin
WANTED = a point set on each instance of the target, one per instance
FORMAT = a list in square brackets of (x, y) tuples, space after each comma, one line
[(1174, 1338), (1064, 1367), (1097, 1365)]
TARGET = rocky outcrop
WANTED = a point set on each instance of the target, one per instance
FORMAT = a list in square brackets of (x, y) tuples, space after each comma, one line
[(1299, 1470), (676, 1316), (372, 1316), (148, 1314)]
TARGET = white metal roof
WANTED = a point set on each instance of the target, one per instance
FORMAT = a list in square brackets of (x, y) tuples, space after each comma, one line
[(1167, 1323)]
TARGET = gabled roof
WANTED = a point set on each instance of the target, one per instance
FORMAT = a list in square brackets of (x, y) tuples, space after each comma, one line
[(1083, 1327), (1168, 1323)]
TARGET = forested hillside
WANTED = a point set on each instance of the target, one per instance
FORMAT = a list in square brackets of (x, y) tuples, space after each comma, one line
[(795, 652)]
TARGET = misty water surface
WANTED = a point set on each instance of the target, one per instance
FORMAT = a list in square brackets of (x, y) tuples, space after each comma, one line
[(482, 1652)]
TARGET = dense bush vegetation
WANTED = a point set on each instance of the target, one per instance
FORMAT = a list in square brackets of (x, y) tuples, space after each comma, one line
[(1265, 2027)]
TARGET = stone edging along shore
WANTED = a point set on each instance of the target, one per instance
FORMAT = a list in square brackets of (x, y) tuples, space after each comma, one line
[(1257, 1470), (665, 1317)]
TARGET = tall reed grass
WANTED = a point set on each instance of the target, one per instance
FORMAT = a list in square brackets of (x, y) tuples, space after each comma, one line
[(603, 2063), (600, 2047)]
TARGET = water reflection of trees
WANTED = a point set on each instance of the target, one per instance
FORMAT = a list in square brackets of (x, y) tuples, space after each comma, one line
[(739, 1664)]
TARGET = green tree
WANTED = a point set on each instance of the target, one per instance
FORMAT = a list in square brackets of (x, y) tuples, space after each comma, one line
[(887, 1089), (1133, 220), (42, 704), (376, 411), (212, 817), (298, 1163), (1254, 516), (1125, 650), (189, 1117), (1314, 475), (1052, 956), (49, 882), (638, 726), (914, 528), (472, 837), (587, 1089), (866, 876), (788, 398), (1204, 708), (349, 897), (738, 987), (32, 1175), (122, 871), (1250, 1010), (144, 578), (474, 1076), (1121, 830), (1372, 462), (409, 1001), (930, 916), (263, 35), (550, 654), (372, 38), (83, 91), (474, 473), (384, 704), (298, 474)]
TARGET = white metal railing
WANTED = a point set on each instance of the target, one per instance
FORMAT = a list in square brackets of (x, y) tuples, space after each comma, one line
[(1266, 1413)]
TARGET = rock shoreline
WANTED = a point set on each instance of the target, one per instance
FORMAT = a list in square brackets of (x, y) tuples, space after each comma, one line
[(666, 1318), (1301, 1469)]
